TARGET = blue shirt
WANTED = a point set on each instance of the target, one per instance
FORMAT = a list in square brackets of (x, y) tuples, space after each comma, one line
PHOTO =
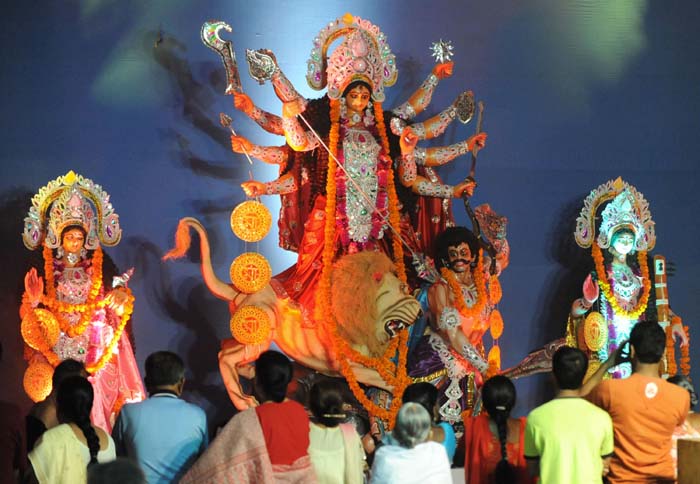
[(164, 434)]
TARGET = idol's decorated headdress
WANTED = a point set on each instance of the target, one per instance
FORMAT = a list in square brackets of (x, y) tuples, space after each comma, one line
[(627, 208), (364, 55), (71, 200)]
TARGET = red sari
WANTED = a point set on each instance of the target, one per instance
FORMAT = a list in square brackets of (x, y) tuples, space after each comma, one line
[(483, 452)]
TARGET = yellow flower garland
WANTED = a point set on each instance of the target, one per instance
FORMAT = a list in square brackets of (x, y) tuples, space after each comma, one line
[(480, 283), (85, 309), (607, 290), (394, 375)]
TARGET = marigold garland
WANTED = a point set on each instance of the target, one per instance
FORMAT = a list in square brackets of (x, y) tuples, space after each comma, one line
[(480, 283), (607, 290), (671, 368), (58, 308), (86, 309), (685, 353), (393, 374)]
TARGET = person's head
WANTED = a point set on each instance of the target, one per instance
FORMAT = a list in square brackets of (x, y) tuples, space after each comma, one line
[(424, 394), (569, 366), (648, 342), (499, 396), (413, 425), (73, 405), (623, 241), (65, 369), (273, 372), (119, 471), (357, 96), (683, 382), (456, 249), (326, 402), (73, 239), (164, 370)]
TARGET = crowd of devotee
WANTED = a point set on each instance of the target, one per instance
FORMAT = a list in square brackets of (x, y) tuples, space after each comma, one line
[(597, 430)]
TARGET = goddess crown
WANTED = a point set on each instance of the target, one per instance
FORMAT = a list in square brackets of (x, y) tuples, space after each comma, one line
[(69, 200), (627, 208), (363, 55)]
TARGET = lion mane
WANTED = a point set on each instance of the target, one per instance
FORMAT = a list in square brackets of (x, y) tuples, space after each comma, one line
[(355, 282)]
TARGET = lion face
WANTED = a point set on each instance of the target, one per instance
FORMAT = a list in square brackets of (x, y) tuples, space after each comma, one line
[(396, 309)]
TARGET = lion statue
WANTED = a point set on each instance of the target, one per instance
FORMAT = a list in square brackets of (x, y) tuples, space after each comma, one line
[(369, 302)]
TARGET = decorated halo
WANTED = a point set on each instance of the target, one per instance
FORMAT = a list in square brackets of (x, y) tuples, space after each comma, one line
[(627, 208), (363, 55), (70, 198)]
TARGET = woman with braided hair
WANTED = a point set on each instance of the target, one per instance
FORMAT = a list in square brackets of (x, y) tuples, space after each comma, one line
[(63, 453), (493, 440)]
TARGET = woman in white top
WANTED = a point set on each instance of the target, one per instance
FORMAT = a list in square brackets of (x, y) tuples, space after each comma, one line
[(335, 448), (414, 459), (63, 453)]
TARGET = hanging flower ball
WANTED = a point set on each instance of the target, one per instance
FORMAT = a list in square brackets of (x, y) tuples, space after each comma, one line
[(37, 380), (496, 324), (495, 291), (494, 359), (40, 329), (250, 325), (251, 221), (250, 272)]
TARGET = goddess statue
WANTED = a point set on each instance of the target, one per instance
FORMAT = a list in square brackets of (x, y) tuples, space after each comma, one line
[(618, 292), (352, 176), (68, 313)]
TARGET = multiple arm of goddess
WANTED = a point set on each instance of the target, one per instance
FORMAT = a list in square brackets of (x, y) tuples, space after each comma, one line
[(300, 139)]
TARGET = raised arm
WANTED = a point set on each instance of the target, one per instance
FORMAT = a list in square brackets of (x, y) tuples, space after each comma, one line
[(274, 155), (283, 185), (297, 138), (267, 121), (420, 99)]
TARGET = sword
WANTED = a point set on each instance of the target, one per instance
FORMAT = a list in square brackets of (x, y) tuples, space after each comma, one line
[(210, 37)]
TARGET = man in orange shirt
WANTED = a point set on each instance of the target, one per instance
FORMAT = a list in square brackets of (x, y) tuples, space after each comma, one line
[(644, 408)]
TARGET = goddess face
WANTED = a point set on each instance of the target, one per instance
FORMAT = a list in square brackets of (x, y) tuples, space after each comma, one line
[(459, 257), (73, 240), (623, 242), (357, 98)]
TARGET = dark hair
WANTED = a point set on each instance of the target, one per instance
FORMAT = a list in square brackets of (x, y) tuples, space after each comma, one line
[(65, 369), (120, 471), (649, 341), (354, 84), (163, 368), (273, 372), (73, 405), (71, 227), (452, 237), (423, 393), (569, 366), (499, 397), (684, 382), (326, 402)]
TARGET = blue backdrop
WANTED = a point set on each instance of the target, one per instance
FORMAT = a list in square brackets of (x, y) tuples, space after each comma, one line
[(125, 93)]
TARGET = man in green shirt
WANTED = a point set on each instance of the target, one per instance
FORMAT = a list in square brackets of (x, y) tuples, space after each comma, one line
[(568, 439)]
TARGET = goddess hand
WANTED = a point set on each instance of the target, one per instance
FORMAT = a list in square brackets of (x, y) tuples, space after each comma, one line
[(679, 334), (477, 142), (408, 141), (253, 188), (33, 286), (465, 188), (292, 109), (242, 102), (239, 144), (117, 299), (590, 291), (443, 70)]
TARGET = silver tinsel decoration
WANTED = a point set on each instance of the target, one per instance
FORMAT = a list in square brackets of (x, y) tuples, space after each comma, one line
[(442, 51)]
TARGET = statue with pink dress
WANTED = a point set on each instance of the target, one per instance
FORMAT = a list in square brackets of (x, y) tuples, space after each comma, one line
[(69, 313)]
